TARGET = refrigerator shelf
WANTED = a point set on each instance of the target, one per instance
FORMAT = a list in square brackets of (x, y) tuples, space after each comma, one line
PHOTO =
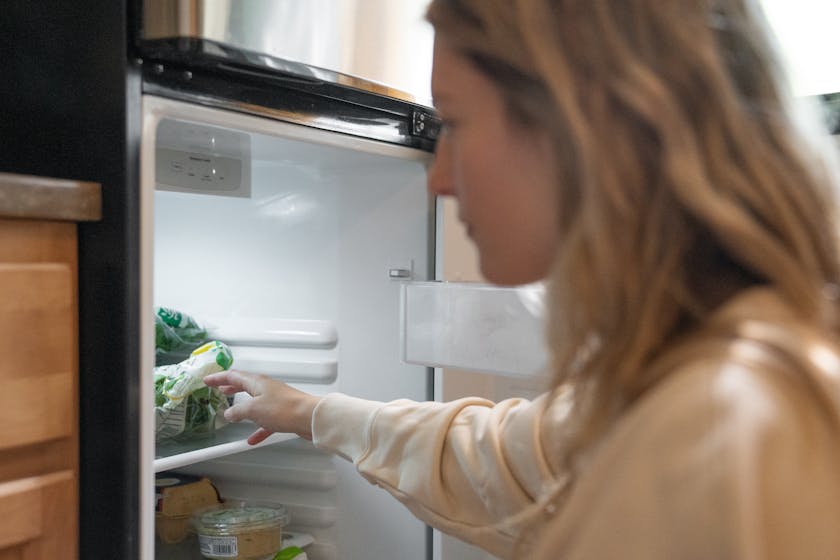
[(302, 476), (226, 441)]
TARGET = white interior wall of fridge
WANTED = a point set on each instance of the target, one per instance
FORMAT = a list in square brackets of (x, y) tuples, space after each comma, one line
[(295, 270)]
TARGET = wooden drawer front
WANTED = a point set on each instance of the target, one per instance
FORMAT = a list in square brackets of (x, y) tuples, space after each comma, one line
[(38, 516), (37, 353), (25, 241)]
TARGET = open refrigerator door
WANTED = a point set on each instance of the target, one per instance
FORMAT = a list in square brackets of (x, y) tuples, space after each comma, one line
[(288, 245)]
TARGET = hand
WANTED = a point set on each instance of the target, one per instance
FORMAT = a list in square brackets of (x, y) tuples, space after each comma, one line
[(276, 407)]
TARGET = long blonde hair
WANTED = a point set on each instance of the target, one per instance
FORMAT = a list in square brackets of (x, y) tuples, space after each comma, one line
[(682, 175)]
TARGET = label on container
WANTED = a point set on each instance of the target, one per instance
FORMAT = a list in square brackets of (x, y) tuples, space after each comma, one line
[(218, 547)]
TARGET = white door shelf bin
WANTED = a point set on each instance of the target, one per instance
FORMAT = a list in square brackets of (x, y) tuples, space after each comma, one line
[(475, 327)]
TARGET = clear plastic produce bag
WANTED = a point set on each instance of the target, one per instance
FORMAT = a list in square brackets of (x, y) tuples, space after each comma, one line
[(184, 406), (176, 331)]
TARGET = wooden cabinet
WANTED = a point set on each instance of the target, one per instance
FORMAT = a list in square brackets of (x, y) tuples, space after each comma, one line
[(39, 517), (39, 449)]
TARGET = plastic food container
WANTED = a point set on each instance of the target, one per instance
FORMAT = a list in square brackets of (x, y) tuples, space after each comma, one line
[(240, 531), (177, 498)]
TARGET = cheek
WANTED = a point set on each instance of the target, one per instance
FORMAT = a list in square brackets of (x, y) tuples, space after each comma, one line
[(481, 172), (520, 217)]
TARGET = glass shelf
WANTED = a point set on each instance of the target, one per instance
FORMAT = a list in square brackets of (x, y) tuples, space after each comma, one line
[(227, 440)]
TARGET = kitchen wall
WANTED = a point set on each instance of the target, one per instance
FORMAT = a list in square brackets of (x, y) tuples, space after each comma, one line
[(809, 39)]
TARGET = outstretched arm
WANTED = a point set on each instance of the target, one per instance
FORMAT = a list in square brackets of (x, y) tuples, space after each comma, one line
[(466, 467)]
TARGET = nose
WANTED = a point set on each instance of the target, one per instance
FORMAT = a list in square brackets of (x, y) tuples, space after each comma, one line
[(440, 181)]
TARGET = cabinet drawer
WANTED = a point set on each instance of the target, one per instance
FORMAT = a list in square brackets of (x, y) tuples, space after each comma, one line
[(37, 241), (39, 517), (37, 352)]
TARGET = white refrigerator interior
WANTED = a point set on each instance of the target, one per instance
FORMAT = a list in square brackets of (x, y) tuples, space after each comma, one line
[(291, 244)]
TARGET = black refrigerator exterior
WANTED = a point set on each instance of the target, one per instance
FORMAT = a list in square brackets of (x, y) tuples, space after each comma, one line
[(68, 108), (72, 77)]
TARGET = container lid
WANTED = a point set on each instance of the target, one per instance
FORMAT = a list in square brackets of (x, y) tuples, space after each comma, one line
[(227, 519)]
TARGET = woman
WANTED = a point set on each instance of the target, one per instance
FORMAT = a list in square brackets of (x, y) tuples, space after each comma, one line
[(641, 157)]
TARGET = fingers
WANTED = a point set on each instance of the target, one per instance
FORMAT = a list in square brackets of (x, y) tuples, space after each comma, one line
[(228, 389), (271, 399), (240, 412), (258, 436), (236, 413), (230, 382), (222, 379)]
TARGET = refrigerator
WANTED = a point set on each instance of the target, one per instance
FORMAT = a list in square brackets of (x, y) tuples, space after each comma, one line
[(272, 185)]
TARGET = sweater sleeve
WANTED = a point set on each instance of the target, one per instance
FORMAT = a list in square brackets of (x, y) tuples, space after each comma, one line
[(464, 467)]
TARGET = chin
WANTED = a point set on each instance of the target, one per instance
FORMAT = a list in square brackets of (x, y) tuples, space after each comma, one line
[(512, 276)]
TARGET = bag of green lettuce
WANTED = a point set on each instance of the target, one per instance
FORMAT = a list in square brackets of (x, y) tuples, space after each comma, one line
[(184, 406), (176, 331)]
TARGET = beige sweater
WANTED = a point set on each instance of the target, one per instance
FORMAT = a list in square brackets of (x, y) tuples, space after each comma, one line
[(722, 460)]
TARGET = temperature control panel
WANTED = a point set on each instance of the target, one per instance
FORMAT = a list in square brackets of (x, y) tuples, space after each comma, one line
[(202, 159)]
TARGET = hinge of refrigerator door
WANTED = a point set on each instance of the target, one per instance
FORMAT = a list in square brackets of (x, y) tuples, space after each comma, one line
[(424, 124)]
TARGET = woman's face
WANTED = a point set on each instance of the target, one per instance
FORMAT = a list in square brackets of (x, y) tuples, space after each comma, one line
[(501, 173)]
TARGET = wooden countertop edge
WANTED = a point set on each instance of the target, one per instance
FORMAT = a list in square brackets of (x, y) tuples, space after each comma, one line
[(30, 196)]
